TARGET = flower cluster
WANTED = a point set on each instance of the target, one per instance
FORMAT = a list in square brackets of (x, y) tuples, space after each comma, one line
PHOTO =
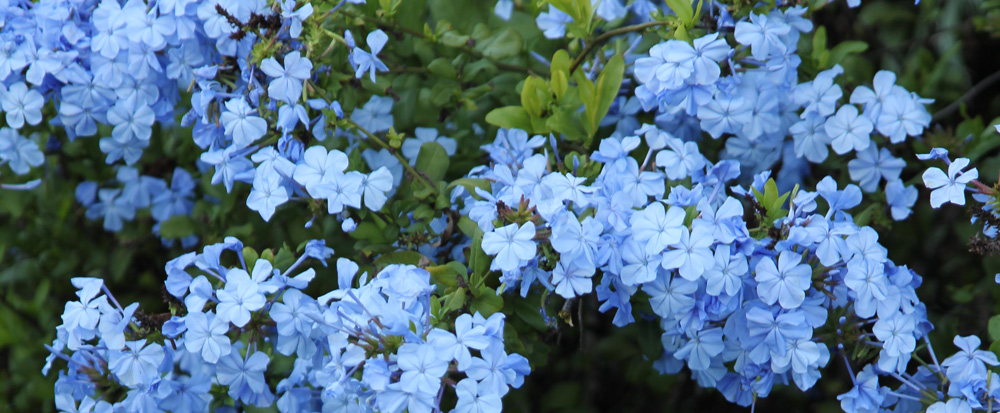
[(370, 345), (742, 304), (753, 279)]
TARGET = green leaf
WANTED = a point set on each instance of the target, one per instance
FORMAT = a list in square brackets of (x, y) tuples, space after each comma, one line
[(455, 300), (447, 275), (250, 256), (487, 303), (284, 258), (433, 160), (524, 310), (469, 227), (995, 348), (843, 49), (559, 84), (994, 327), (607, 86), (682, 8), (819, 45), (479, 262), (533, 95), (398, 257), (510, 117), (470, 184), (502, 45), (177, 226), (560, 62), (567, 123)]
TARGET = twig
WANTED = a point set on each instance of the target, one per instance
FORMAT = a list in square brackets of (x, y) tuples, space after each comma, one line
[(978, 88), (406, 163), (608, 35)]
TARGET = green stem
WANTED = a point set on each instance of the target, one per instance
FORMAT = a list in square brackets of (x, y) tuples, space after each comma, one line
[(406, 163), (597, 42)]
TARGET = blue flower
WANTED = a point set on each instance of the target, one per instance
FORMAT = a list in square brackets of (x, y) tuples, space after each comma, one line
[(510, 244), (866, 395), (866, 279), (848, 131), (471, 395), (655, 228), (950, 187), (897, 334), (240, 297), (411, 146), (286, 84), (970, 362), (701, 348), (769, 334), (763, 35), (376, 115), (19, 152), (22, 105), (574, 240), (206, 336), (553, 23), (785, 283), (267, 193), (245, 378), (573, 278), (872, 165), (230, 165), (376, 187), (294, 18), (900, 199), (241, 124), (692, 254), (137, 365), (670, 64), (422, 369), (369, 62), (503, 10)]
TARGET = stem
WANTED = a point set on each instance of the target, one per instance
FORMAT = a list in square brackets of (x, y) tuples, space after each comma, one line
[(979, 87), (608, 35), (406, 163)]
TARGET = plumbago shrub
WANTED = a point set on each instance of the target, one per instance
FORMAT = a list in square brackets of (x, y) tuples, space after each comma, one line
[(395, 205)]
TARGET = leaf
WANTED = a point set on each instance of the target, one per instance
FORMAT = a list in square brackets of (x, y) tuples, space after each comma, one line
[(455, 300), (843, 49), (447, 275), (433, 161), (531, 95), (284, 258), (177, 226), (559, 84), (560, 62), (479, 262), (469, 227), (502, 45), (608, 83), (994, 327), (470, 184), (510, 117), (819, 44), (568, 124), (398, 257), (530, 314), (682, 8), (487, 303)]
